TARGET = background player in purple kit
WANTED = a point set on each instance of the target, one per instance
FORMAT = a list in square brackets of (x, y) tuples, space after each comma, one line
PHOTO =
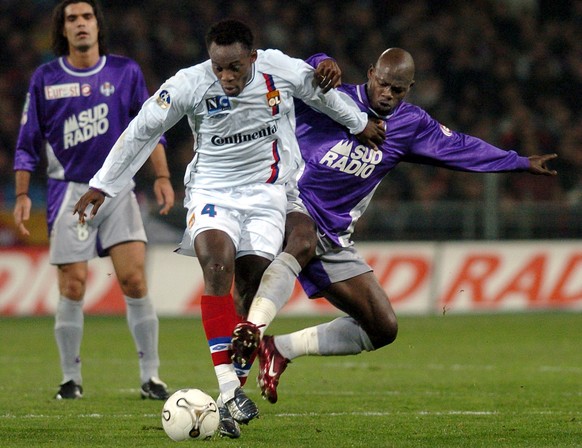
[(76, 107), (333, 190)]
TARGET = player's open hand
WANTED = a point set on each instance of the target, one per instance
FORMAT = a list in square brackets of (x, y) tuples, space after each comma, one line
[(164, 194), (93, 196), (538, 164), (22, 213), (328, 75), (373, 134)]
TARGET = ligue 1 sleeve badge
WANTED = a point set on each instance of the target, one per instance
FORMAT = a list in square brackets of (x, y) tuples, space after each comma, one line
[(163, 99)]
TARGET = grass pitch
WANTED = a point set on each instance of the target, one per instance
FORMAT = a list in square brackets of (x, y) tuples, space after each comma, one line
[(511, 380)]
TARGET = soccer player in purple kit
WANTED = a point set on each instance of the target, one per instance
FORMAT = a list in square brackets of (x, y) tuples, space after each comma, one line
[(333, 190), (76, 107)]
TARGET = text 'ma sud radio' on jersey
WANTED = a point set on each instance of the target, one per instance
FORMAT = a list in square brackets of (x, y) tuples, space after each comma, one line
[(70, 112)]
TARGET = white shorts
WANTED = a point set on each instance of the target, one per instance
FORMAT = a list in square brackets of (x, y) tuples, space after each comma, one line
[(252, 215), (117, 221)]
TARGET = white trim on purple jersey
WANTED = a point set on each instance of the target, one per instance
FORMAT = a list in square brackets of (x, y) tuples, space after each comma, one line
[(340, 175)]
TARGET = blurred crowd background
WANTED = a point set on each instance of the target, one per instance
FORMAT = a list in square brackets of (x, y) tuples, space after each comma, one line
[(507, 71)]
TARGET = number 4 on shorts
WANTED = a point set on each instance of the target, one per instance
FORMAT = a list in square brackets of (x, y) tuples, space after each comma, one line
[(209, 210)]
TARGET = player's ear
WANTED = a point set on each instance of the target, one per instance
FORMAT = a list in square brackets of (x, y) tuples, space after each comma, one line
[(253, 56)]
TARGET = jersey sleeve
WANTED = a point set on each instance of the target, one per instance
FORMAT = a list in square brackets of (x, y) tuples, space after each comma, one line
[(435, 144), (141, 95), (159, 113), (30, 136), (331, 103)]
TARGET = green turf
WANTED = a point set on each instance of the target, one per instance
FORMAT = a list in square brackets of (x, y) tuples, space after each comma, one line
[(512, 380)]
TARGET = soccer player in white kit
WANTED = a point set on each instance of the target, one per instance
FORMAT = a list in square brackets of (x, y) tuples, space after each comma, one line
[(77, 105), (239, 105)]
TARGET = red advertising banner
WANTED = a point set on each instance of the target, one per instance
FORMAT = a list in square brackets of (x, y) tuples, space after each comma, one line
[(420, 278)]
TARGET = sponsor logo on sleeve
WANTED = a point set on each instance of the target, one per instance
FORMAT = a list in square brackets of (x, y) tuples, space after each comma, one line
[(445, 130), (59, 91), (163, 100)]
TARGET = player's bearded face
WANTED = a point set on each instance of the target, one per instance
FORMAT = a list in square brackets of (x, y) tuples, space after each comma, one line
[(80, 27), (232, 65)]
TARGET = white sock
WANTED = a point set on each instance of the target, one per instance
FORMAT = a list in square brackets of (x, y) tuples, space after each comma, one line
[(68, 331), (300, 343), (276, 287), (341, 336), (144, 326), (227, 381)]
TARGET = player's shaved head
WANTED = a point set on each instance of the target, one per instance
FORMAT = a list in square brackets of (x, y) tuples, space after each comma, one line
[(396, 60), (390, 80)]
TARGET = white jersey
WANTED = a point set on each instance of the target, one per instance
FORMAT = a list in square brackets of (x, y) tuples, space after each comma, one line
[(239, 140)]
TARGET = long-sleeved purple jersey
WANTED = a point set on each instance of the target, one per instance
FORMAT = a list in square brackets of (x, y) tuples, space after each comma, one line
[(75, 116), (340, 174)]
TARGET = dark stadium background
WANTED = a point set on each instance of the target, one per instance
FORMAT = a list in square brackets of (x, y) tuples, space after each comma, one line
[(507, 71)]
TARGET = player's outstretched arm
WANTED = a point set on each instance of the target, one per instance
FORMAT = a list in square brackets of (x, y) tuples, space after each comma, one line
[(93, 196), (538, 164)]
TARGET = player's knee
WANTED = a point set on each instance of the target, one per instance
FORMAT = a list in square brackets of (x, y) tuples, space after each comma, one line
[(217, 278), (302, 248), (73, 290), (133, 284), (385, 334)]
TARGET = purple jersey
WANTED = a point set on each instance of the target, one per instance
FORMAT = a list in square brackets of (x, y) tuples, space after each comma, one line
[(341, 175), (75, 116)]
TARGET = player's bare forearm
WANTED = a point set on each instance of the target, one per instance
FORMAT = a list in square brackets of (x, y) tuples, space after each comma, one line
[(164, 192), (23, 204), (163, 189)]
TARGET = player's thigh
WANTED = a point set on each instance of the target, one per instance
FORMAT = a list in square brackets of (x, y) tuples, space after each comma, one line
[(70, 241), (363, 298), (300, 237), (121, 223), (263, 225)]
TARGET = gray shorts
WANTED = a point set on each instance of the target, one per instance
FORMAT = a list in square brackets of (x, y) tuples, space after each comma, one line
[(117, 221), (332, 263)]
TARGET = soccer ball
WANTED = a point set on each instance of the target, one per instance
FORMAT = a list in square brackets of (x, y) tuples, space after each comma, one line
[(190, 414)]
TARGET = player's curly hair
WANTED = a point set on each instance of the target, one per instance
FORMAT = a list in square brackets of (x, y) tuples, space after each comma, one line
[(59, 42), (228, 32)]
